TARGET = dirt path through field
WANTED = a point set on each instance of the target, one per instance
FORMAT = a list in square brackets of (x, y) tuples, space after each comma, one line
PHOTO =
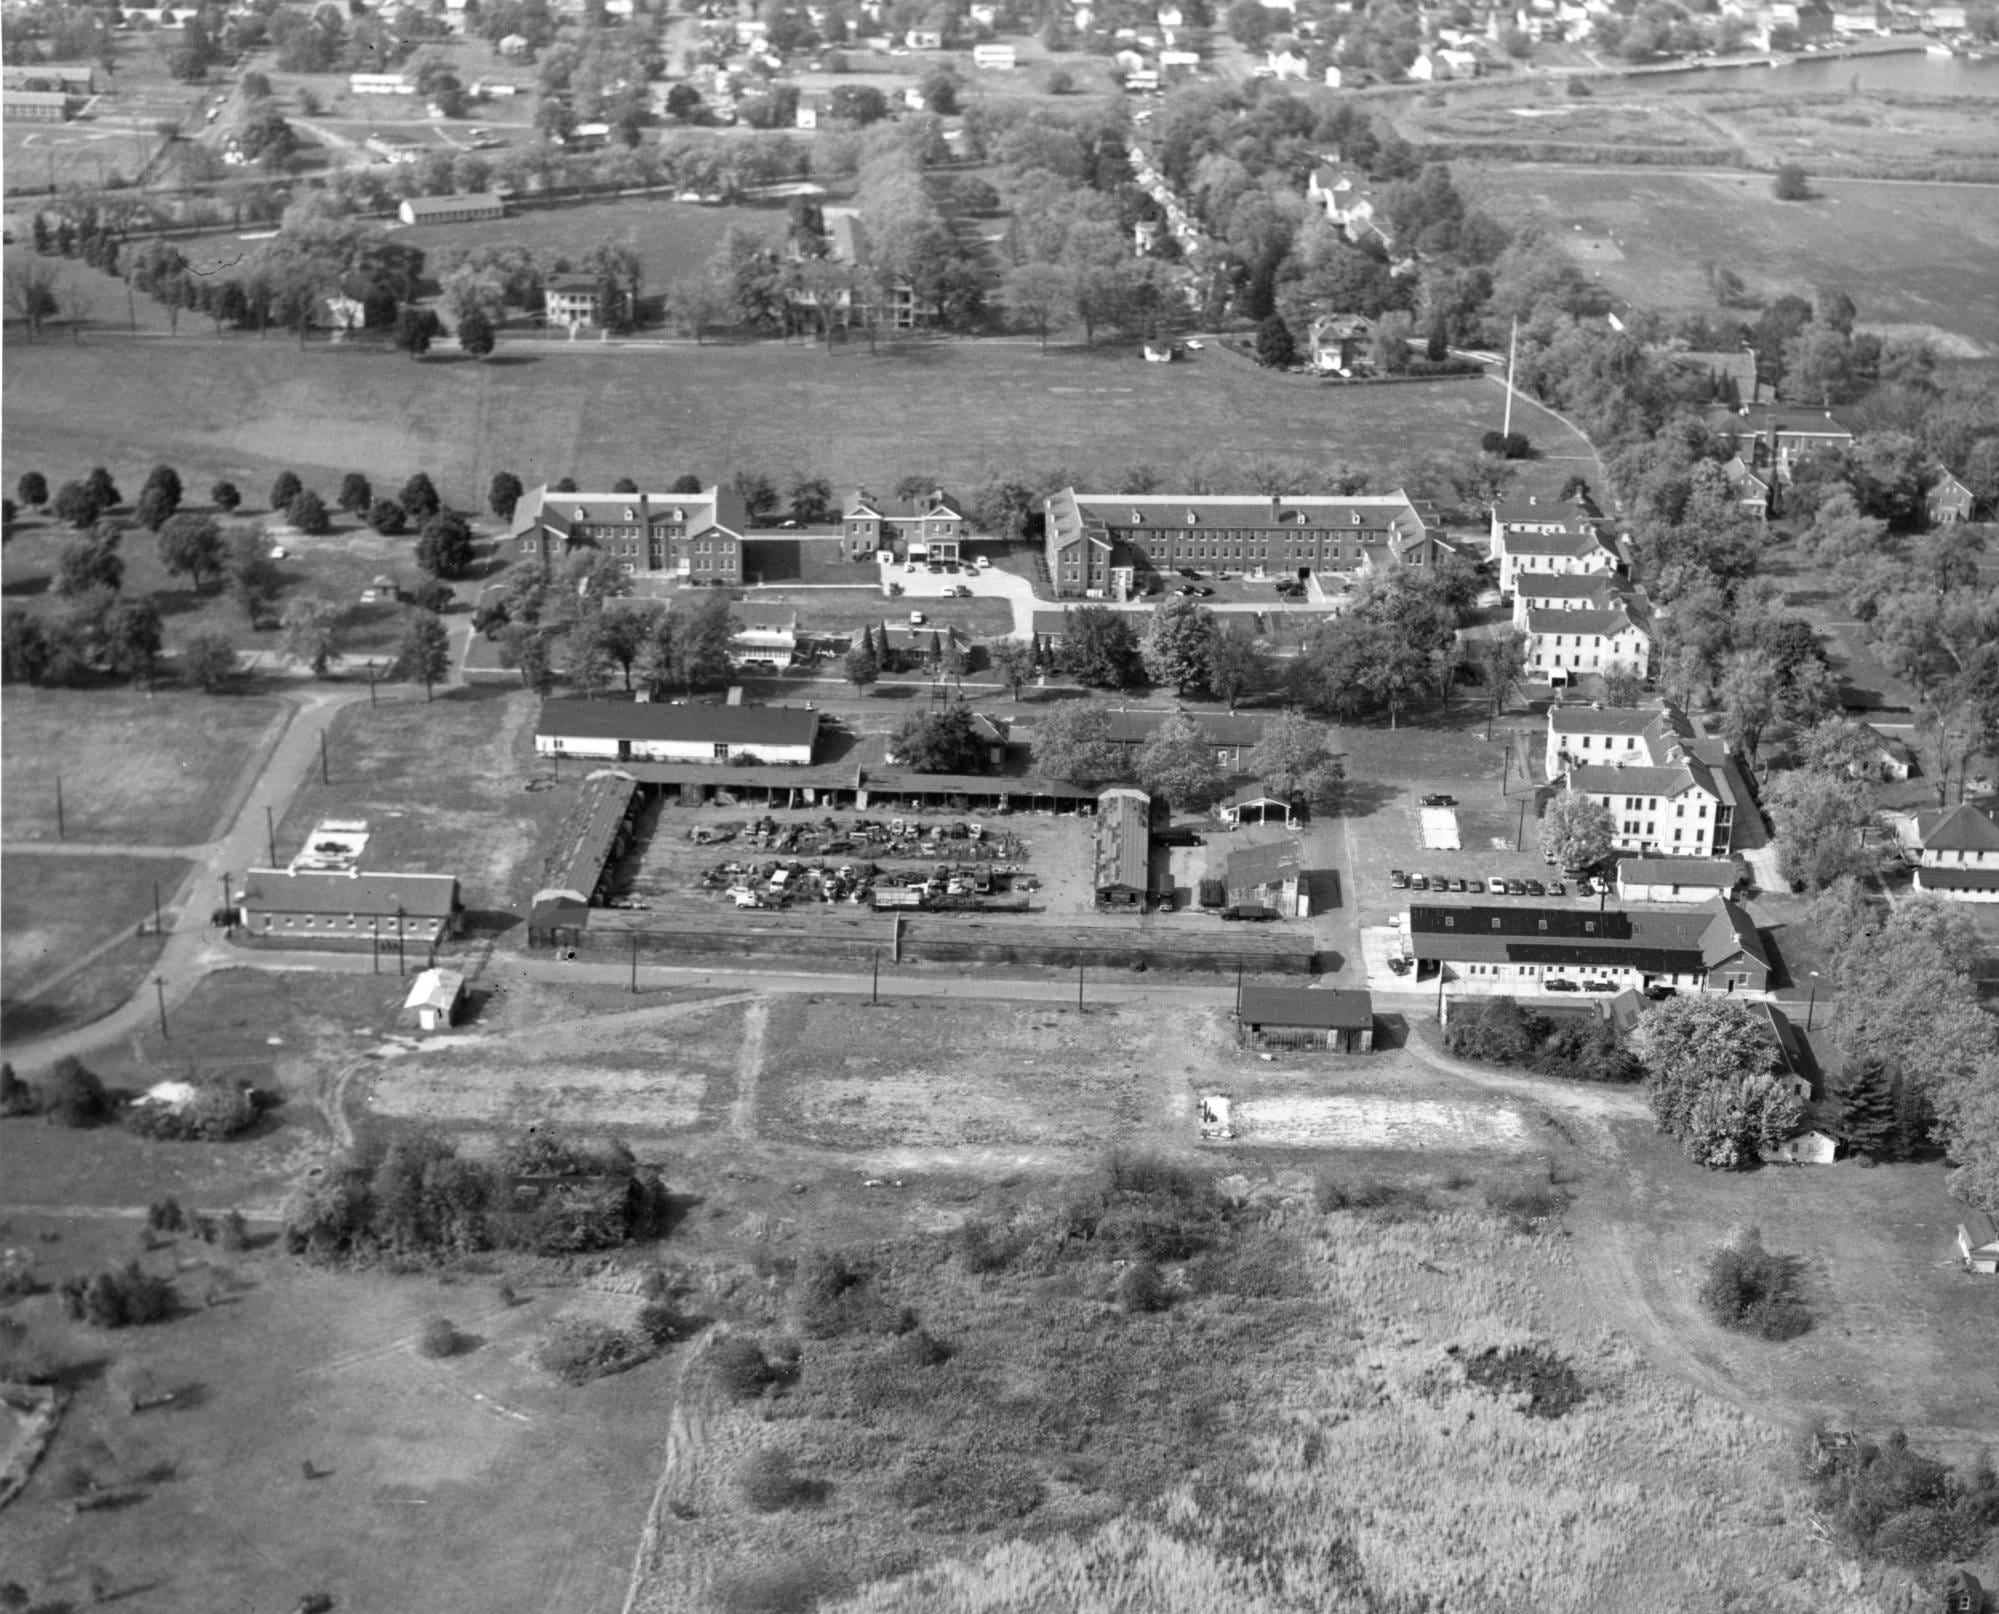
[(749, 1070)]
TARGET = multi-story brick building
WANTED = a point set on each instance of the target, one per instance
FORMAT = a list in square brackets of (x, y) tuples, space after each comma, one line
[(697, 537), (1104, 545), (928, 527)]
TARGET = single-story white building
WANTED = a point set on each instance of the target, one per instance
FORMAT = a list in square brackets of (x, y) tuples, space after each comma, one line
[(435, 996), (1810, 1147), (648, 731), (1678, 879)]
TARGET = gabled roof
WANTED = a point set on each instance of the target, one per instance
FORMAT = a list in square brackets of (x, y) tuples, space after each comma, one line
[(419, 896), (1963, 828), (1980, 1230), (1934, 878), (1608, 623), (694, 725), (1731, 932), (1722, 873), (1666, 723), (1572, 544), (435, 989), (1607, 779), (1256, 791), (1273, 863), (1124, 839), (1567, 586), (1670, 941), (426, 208), (1312, 1007)]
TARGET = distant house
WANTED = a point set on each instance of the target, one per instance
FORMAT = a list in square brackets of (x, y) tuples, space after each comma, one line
[(1340, 343), (1268, 876), (993, 58), (767, 639), (648, 731), (1948, 501), (1753, 492), (1810, 1146), (1678, 879), (305, 908), (1159, 352), (452, 209), (1958, 854), (572, 300), (71, 80), (380, 84), (435, 996), (393, 148), (1892, 762), (924, 39), (1978, 1242), (1302, 1018), (1124, 848)]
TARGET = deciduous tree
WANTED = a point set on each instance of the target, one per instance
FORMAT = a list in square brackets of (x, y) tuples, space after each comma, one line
[(307, 512), (423, 655), (91, 561), (941, 740), (209, 661), (1179, 646), (285, 489), (419, 497), (1178, 762), (1296, 760), (444, 548), (863, 666), (1072, 742), (191, 546), (314, 632), (355, 494), (1576, 831), (1708, 1078), (1013, 663), (79, 505), (253, 576), (1100, 648), (504, 494)]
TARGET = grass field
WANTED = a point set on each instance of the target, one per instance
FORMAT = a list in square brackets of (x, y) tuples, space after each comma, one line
[(1647, 235), (955, 411), (57, 911), (135, 770), (440, 786)]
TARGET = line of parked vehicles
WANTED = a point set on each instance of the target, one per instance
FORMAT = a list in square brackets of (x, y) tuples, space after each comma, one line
[(1498, 885)]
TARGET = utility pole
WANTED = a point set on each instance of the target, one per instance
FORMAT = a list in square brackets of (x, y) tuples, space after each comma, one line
[(160, 986), (371, 683), (59, 824), (1520, 829), (400, 969), (1440, 991), (271, 833), (1238, 988), (325, 777), (875, 992), (1512, 344), (635, 963), (1079, 986), (159, 928), (374, 944), (228, 905)]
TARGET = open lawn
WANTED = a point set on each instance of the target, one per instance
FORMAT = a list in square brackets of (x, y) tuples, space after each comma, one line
[(1647, 235), (440, 784), (59, 911), (955, 411), (136, 770)]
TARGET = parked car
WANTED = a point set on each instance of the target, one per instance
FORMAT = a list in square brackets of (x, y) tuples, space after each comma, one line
[(1398, 964), (951, 566), (1398, 879), (1419, 882), (1557, 889), (1204, 592), (1496, 884), (1190, 574), (1186, 590), (1516, 888), (1536, 889), (1559, 986), (961, 592), (916, 619), (1440, 801), (1475, 887), (1440, 882), (984, 563), (1659, 994), (1457, 885), (1599, 986)]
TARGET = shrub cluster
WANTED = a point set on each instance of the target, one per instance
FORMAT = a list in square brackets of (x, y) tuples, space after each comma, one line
[(769, 1482), (415, 1197), (1547, 1380), (219, 1109), (1498, 1031), (577, 1351), (1891, 1502), (739, 1369), (71, 1095), (1386, 1201), (1748, 1288), (438, 1338), (124, 1297), (1529, 1208), (1144, 1207)]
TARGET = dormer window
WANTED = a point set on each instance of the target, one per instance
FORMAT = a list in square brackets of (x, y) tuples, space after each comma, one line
[(581, 513), (1193, 518), (631, 514), (1495, 924), (1136, 517), (679, 513), (1356, 518)]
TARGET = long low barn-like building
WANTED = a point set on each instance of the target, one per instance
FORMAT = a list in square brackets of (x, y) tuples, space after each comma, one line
[(1521, 950), (312, 908), (652, 731), (1124, 848)]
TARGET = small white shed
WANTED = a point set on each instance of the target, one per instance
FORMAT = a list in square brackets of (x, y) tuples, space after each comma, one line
[(435, 996)]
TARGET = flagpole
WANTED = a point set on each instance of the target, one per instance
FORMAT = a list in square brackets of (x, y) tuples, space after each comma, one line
[(1512, 343)]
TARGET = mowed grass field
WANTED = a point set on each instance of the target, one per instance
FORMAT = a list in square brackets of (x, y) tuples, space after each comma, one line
[(440, 784), (135, 770), (1910, 255), (54, 911), (957, 411)]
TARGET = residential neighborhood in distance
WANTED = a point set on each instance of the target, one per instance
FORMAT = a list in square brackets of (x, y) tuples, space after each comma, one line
[(1108, 806)]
